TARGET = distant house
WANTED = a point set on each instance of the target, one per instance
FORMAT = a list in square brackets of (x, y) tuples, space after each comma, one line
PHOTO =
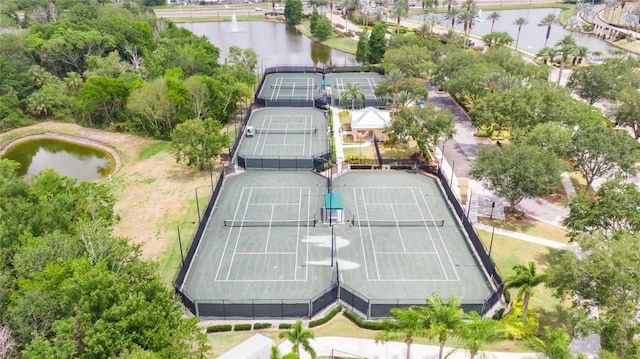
[(256, 347), (368, 122)]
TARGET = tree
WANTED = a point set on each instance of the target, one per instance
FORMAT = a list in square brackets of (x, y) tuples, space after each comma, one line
[(425, 125), (452, 15), (102, 99), (353, 93), (196, 142), (525, 279), (519, 22), (497, 39), (403, 324), (517, 171), (377, 43), (548, 21), (313, 20), (612, 211), (554, 343), (299, 336), (362, 51), (468, 17), (494, 16), (626, 112), (547, 54), (293, 12), (444, 318), (400, 10), (604, 277), (324, 28), (601, 151), (565, 47), (550, 136), (478, 332)]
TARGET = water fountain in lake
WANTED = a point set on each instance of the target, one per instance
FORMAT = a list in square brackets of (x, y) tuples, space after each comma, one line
[(234, 23)]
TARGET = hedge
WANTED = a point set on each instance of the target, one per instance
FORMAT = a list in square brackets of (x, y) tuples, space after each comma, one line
[(365, 324), (257, 326), (326, 318), (285, 326), (241, 327), (219, 328)]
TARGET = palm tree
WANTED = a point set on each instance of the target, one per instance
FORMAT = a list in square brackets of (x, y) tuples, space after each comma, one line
[(450, 4), (298, 336), (469, 4), (400, 10), (525, 278), (430, 19), (451, 37), (452, 14), (405, 324), (423, 30), (579, 54), (395, 79), (573, 24), (548, 21), (547, 54), (354, 93), (444, 318), (565, 47), (494, 16), (629, 20), (468, 18), (555, 343), (402, 99), (519, 22), (477, 332)]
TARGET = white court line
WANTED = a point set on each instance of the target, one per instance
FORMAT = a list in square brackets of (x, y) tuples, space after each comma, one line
[(295, 265), (423, 196), (265, 136), (373, 247), (306, 267), (263, 280), (266, 245), (408, 253), (417, 204), (272, 203), (262, 253), (261, 187), (275, 87), (387, 203), (259, 137), (364, 254), (224, 250), (238, 236), (395, 218), (279, 88)]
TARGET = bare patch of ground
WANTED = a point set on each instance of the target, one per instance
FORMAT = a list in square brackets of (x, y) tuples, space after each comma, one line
[(153, 195)]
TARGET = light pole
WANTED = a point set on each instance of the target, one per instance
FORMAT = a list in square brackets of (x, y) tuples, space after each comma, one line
[(198, 202), (180, 239), (493, 205), (491, 242)]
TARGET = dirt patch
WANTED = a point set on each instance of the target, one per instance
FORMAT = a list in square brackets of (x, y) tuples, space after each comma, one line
[(153, 194)]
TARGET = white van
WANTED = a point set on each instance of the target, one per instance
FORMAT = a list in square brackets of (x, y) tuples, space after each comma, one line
[(250, 131)]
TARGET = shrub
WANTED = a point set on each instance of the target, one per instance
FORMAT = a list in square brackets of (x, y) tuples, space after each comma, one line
[(241, 327), (257, 326), (326, 318), (219, 328), (513, 326), (364, 324), (285, 326), (498, 314)]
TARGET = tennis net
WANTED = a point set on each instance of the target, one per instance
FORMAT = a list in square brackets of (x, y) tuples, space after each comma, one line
[(294, 86), (400, 223), (265, 223), (286, 130)]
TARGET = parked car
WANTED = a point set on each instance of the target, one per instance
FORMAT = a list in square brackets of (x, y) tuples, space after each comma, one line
[(258, 9), (250, 131)]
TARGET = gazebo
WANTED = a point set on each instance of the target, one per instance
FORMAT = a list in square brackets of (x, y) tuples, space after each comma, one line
[(369, 122)]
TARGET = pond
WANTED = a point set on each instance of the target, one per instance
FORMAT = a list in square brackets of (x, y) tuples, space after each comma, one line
[(532, 36), (275, 43), (81, 162)]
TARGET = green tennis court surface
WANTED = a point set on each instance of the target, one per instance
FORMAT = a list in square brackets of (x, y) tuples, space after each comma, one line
[(291, 86), (286, 132), (283, 254), (367, 82)]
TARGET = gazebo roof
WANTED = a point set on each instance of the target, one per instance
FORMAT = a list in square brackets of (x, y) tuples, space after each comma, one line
[(370, 118)]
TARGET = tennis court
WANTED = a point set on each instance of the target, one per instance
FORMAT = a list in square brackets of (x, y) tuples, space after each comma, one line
[(404, 241), (368, 82), (262, 241), (284, 138), (291, 86)]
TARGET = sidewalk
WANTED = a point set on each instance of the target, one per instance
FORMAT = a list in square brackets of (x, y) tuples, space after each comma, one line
[(325, 347)]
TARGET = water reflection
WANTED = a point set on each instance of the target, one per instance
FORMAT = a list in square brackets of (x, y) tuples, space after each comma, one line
[(275, 43), (532, 36), (68, 159)]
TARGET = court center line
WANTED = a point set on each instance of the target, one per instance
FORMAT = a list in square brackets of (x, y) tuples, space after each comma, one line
[(417, 204), (423, 196), (266, 245), (266, 136), (364, 253), (395, 218), (373, 247), (238, 237), (224, 249)]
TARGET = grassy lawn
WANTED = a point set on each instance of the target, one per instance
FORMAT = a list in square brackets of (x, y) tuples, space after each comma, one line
[(507, 252), (463, 185), (343, 44), (443, 9), (532, 228), (366, 151)]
